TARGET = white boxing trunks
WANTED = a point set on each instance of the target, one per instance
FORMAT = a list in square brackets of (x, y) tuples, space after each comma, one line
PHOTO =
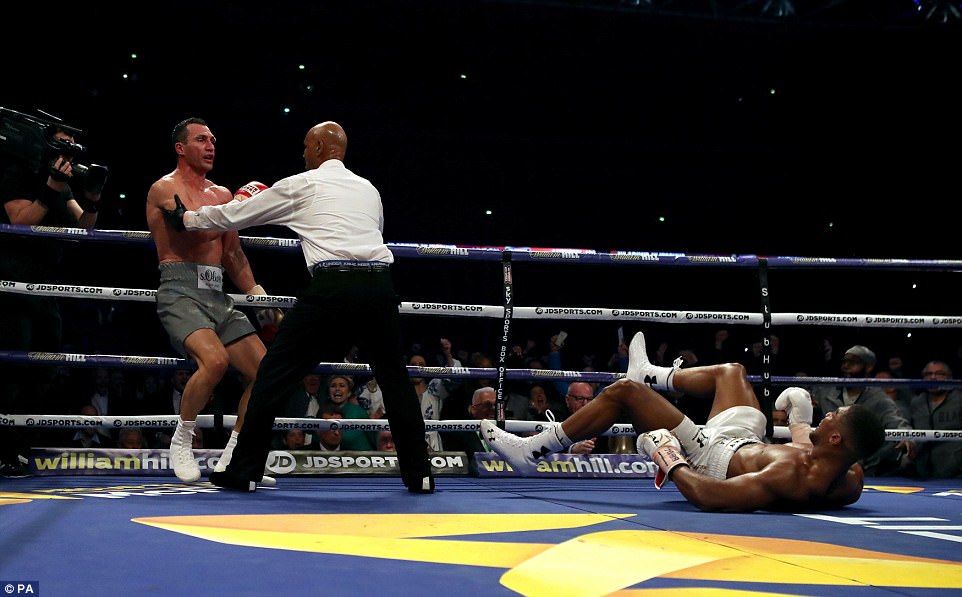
[(711, 450)]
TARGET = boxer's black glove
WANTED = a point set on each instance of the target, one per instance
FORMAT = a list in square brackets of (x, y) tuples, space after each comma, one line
[(175, 217)]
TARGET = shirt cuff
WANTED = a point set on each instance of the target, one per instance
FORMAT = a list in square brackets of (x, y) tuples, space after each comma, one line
[(191, 220)]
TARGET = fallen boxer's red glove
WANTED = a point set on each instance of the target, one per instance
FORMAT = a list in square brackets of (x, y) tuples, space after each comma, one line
[(664, 450)]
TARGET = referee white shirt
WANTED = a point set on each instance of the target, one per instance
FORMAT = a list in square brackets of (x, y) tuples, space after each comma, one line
[(346, 224)]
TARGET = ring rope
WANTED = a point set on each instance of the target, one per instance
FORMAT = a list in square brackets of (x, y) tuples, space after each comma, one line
[(541, 312), (147, 362), (284, 423), (489, 254), (525, 253)]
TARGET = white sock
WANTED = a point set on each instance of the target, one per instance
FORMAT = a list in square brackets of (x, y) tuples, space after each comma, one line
[(225, 456), (689, 435), (562, 437), (186, 425), (659, 378)]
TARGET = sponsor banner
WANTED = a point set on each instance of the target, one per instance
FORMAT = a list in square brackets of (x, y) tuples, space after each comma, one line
[(264, 300), (358, 463), (451, 309), (579, 466), (46, 462)]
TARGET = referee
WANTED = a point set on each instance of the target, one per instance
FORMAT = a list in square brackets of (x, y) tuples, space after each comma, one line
[(350, 300)]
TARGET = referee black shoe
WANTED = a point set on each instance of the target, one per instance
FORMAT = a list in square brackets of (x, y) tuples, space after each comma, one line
[(233, 483), (15, 469), (420, 485)]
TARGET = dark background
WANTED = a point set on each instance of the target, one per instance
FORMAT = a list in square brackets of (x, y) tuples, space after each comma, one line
[(832, 132)]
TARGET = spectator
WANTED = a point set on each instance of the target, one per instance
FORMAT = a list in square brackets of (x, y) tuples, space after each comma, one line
[(555, 361), (371, 398), (541, 401), (859, 362), (100, 397), (121, 399), (306, 400), (91, 437), (177, 382), (938, 408), (483, 402), (904, 393), (516, 390), (147, 397), (826, 363), (131, 438), (695, 407), (430, 401), (340, 392), (721, 350), (779, 419), (895, 394), (331, 440), (617, 363), (385, 441), (459, 399), (754, 360), (294, 439), (578, 396)]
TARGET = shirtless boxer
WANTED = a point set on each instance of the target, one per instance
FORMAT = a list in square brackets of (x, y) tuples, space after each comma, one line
[(199, 316), (725, 466)]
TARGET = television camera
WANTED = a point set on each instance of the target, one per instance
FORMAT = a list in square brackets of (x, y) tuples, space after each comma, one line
[(31, 140)]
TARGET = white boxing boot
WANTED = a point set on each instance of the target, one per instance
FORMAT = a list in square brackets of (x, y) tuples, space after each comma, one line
[(641, 370), (182, 453), (524, 453)]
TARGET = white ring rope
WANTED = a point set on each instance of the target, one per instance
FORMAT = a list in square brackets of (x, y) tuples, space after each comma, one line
[(311, 424), (543, 313), (490, 311)]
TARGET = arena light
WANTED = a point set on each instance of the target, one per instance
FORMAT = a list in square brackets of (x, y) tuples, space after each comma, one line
[(779, 8), (941, 11)]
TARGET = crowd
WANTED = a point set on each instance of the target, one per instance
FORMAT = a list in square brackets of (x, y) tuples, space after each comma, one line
[(148, 392), (224, 363)]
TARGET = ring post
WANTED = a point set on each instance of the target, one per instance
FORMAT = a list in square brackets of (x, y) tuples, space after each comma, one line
[(505, 338)]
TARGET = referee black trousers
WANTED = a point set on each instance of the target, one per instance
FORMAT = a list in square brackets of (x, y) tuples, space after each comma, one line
[(338, 310)]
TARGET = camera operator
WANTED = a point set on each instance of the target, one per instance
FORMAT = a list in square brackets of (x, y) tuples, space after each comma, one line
[(33, 323)]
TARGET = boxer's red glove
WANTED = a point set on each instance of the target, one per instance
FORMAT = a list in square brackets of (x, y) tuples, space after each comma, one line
[(664, 450), (249, 190), (269, 318)]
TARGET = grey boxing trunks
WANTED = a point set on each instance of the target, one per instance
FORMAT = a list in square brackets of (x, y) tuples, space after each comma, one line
[(191, 297)]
